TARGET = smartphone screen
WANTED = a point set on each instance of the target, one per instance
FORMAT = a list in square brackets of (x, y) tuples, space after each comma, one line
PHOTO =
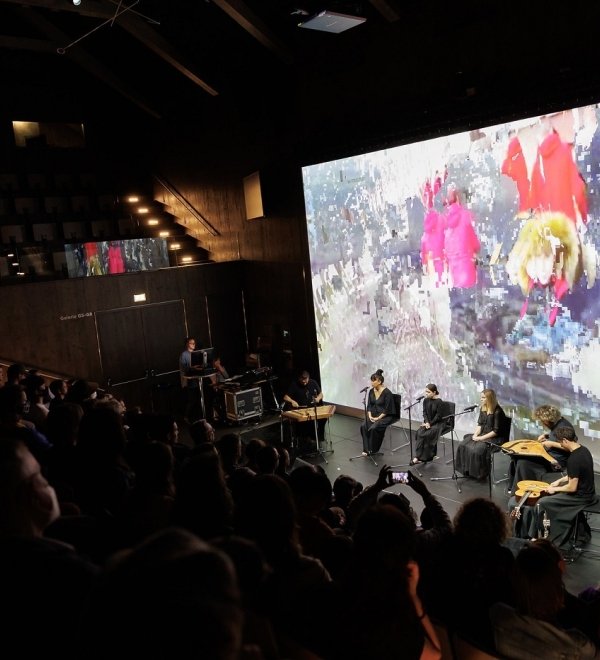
[(399, 477)]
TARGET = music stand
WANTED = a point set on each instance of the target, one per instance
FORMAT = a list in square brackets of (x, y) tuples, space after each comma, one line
[(368, 454), (454, 475)]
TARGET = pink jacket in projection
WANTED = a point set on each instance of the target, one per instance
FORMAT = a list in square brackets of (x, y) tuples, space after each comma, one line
[(514, 166), (432, 242), (462, 245), (555, 179)]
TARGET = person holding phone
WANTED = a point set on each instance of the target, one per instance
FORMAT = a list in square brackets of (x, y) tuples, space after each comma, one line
[(429, 431), (380, 414)]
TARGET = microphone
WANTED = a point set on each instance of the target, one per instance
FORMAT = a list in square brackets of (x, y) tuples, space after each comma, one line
[(419, 398), (470, 408), (364, 389)]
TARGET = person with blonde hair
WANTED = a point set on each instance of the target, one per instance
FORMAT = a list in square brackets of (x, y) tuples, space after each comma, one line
[(473, 454)]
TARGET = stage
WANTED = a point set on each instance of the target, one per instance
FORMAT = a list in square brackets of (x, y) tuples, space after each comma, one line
[(343, 438)]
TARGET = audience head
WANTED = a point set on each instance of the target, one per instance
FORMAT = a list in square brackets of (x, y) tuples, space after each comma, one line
[(311, 489), (400, 502), (538, 580), (266, 514), (162, 427), (15, 374), (203, 504), (547, 415), (35, 386), (82, 392), (229, 447), (267, 460), (202, 433), (252, 448), (13, 404), (62, 425), (101, 436), (58, 388), (481, 522), (154, 598), (344, 489), (28, 503)]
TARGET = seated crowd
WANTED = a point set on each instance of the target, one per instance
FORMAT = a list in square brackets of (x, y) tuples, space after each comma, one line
[(118, 539)]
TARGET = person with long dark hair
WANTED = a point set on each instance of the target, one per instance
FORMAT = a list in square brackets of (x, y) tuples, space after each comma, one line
[(380, 414), (429, 431), (473, 454)]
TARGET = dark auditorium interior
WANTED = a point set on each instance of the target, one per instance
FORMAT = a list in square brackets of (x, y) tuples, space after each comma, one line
[(160, 124)]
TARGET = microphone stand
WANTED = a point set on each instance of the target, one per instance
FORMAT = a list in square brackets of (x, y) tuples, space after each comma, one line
[(454, 475), (368, 455), (409, 443)]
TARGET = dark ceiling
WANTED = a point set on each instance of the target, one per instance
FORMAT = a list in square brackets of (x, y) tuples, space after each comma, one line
[(420, 61)]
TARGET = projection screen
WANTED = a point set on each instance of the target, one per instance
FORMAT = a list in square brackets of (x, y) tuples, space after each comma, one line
[(468, 261)]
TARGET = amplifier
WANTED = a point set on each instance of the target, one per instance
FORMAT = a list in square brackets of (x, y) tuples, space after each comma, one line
[(244, 404)]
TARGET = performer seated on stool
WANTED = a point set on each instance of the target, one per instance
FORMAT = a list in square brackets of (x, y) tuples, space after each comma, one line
[(304, 392), (569, 495), (429, 431), (473, 454), (535, 467), (380, 414)]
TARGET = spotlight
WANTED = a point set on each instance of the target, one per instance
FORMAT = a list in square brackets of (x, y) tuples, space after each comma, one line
[(77, 2)]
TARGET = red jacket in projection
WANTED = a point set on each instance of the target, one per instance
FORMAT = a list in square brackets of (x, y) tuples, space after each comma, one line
[(556, 184), (515, 167), (432, 242), (462, 245), (115, 259)]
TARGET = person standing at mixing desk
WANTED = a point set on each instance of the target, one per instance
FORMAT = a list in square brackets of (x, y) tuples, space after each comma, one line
[(190, 383), (305, 392)]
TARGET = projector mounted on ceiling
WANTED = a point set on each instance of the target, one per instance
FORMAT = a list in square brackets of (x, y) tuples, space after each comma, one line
[(330, 21)]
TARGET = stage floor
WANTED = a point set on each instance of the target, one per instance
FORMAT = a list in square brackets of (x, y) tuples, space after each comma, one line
[(343, 437)]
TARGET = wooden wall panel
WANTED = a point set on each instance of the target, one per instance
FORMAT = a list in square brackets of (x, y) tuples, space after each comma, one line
[(51, 325)]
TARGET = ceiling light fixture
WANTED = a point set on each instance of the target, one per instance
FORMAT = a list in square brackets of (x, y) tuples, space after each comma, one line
[(331, 21), (153, 221), (77, 2)]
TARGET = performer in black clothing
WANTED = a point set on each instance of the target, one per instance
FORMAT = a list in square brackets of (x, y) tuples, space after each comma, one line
[(570, 494), (473, 454), (535, 468), (380, 414), (429, 431), (305, 392)]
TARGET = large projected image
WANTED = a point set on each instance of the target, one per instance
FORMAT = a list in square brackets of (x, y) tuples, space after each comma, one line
[(114, 257), (468, 261)]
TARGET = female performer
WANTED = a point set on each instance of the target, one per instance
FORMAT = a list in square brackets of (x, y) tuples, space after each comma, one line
[(429, 431), (380, 414), (473, 454)]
